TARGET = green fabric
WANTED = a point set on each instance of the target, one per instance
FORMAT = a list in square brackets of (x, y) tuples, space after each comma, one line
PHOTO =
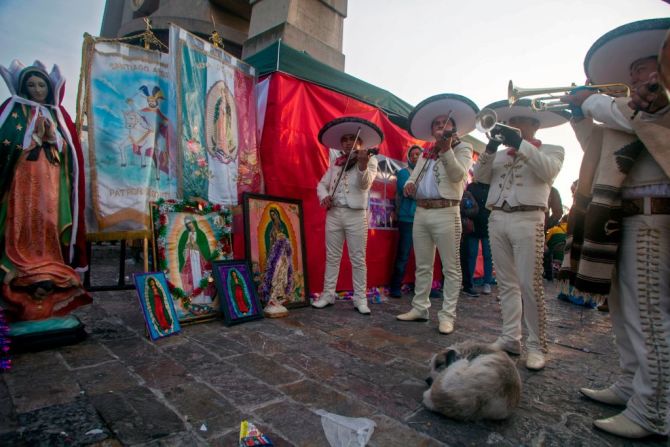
[(11, 143), (51, 324), (283, 58)]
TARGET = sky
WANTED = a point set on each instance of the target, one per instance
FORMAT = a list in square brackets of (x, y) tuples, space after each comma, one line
[(419, 48), (414, 49)]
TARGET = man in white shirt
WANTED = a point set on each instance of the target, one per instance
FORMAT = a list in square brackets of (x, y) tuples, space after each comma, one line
[(626, 168), (344, 191), (520, 179), (437, 183)]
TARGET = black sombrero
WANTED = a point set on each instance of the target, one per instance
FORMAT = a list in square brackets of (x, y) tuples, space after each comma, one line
[(610, 57), (547, 118), (332, 132), (463, 111)]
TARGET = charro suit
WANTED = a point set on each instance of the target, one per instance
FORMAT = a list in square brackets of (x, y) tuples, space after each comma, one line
[(639, 300), (439, 227), (347, 219), (520, 185)]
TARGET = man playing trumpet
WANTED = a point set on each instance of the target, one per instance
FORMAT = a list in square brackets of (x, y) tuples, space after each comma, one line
[(622, 208), (520, 176), (437, 183)]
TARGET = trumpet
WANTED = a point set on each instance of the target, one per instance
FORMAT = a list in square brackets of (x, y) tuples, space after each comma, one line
[(486, 120), (549, 102)]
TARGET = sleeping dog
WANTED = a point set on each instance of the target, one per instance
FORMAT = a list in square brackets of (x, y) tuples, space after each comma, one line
[(472, 381)]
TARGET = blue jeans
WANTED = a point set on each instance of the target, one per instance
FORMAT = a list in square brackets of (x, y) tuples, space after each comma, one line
[(472, 245), (402, 255)]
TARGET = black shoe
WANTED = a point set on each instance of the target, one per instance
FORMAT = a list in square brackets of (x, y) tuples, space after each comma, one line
[(435, 293), (470, 292)]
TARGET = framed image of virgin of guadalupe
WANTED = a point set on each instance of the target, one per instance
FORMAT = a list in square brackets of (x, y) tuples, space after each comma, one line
[(157, 306), (237, 292), (275, 246), (188, 238)]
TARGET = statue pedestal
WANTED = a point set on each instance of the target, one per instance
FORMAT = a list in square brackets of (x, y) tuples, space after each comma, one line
[(275, 310), (51, 333)]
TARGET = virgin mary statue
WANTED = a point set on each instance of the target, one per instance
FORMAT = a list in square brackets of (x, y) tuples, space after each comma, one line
[(42, 235)]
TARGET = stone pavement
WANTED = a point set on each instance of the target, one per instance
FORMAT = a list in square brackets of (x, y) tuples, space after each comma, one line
[(118, 388)]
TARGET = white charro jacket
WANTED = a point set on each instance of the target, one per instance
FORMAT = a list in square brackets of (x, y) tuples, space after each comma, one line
[(356, 184), (451, 169), (525, 179)]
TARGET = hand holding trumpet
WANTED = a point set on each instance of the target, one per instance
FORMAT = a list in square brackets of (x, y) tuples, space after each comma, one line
[(648, 97)]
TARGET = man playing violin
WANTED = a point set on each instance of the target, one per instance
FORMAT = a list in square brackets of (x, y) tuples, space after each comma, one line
[(437, 183), (344, 191)]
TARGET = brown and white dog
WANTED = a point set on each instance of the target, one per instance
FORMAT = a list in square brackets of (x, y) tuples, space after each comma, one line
[(471, 381)]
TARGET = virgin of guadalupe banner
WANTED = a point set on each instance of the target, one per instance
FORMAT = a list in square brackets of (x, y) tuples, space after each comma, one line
[(131, 136), (216, 121)]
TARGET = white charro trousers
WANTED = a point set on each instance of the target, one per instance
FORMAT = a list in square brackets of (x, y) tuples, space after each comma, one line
[(639, 305), (441, 228), (350, 225), (517, 246)]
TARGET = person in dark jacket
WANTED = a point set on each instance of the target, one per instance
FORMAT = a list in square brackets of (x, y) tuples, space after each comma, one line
[(480, 234), (469, 211), (405, 207)]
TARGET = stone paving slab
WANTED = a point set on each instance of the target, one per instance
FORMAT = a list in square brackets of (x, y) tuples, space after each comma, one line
[(278, 372), (136, 416), (73, 423)]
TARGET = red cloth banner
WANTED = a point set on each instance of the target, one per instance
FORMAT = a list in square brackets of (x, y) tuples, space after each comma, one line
[(293, 161)]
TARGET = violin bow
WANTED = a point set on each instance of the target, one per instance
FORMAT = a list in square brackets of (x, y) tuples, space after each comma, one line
[(344, 166), (423, 168)]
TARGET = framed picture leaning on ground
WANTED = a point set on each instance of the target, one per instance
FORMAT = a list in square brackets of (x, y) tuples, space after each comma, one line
[(275, 246), (188, 237)]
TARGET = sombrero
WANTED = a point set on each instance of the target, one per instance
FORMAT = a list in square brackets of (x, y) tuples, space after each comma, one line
[(547, 118), (463, 111), (332, 132), (610, 57)]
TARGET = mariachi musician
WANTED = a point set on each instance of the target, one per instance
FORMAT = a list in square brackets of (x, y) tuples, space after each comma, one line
[(622, 212), (520, 176), (437, 183), (344, 190)]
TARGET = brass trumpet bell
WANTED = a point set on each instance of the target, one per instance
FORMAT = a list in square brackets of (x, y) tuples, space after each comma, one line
[(486, 120), (549, 102)]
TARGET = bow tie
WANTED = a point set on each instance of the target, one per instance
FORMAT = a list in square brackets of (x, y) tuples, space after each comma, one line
[(430, 153), (341, 160)]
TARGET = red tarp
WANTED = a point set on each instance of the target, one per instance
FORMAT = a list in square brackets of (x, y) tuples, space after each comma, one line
[(293, 162)]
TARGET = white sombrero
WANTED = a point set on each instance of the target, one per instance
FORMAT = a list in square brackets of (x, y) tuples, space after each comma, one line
[(463, 111), (547, 118), (332, 132), (610, 57)]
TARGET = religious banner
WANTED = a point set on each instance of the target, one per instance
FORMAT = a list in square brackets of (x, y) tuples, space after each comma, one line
[(216, 121), (129, 129)]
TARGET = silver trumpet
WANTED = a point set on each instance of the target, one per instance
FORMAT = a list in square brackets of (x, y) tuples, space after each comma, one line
[(486, 120)]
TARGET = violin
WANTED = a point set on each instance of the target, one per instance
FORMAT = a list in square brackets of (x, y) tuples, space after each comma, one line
[(353, 160), (449, 134)]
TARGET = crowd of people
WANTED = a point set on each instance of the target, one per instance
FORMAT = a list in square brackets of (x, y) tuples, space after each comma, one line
[(611, 247)]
